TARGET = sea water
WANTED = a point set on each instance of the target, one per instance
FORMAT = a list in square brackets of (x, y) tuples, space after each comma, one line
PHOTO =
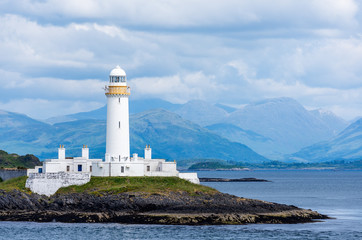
[(335, 193)]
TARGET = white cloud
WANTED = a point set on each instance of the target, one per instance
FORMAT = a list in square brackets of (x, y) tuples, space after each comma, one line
[(16, 84), (43, 108), (193, 13), (179, 88), (222, 51), (324, 63)]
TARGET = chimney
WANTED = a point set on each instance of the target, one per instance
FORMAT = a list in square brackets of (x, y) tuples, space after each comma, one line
[(85, 152), (148, 152), (61, 152)]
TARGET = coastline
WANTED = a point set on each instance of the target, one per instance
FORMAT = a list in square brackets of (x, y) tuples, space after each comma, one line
[(172, 208)]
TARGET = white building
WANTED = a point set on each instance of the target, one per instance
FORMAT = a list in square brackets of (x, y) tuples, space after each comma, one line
[(66, 164), (117, 161)]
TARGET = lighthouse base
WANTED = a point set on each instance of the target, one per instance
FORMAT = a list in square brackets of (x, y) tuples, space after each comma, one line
[(141, 167), (134, 167)]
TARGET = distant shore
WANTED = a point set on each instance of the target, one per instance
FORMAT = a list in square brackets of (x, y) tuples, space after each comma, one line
[(232, 180)]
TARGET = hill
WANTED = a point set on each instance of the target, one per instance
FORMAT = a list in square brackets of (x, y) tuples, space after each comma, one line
[(272, 127), (176, 138), (135, 106), (347, 145), (237, 134), (202, 113), (284, 126), (170, 136), (15, 161)]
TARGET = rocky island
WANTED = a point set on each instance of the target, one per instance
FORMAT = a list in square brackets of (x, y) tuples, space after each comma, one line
[(142, 200)]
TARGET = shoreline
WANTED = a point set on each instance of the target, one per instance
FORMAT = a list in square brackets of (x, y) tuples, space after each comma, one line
[(172, 208), (284, 217), (275, 169)]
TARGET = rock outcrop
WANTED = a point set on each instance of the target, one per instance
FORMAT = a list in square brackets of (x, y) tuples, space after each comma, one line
[(146, 208)]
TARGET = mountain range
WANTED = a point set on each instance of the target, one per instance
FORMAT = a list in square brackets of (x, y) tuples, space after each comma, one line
[(281, 126), (347, 145), (273, 128), (171, 136)]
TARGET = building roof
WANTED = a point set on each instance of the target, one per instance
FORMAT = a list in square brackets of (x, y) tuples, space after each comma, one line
[(117, 71)]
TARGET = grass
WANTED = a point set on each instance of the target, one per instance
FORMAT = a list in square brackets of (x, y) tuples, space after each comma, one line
[(115, 185), (15, 183)]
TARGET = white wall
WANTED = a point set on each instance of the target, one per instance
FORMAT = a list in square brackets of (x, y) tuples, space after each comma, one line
[(148, 153), (191, 177), (49, 183), (117, 140), (106, 169)]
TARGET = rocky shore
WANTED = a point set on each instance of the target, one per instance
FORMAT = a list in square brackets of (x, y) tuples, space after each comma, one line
[(148, 208)]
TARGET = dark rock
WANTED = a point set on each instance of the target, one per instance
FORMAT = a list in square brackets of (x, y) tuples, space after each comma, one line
[(142, 208)]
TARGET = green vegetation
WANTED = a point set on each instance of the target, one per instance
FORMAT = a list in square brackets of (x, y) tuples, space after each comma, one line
[(186, 164), (115, 185), (15, 161), (15, 184), (198, 164), (212, 165)]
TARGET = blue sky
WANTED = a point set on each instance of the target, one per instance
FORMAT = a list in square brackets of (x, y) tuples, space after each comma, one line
[(56, 55)]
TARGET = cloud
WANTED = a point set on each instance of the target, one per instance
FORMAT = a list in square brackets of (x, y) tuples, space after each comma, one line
[(342, 101), (14, 84), (220, 51), (44, 108), (193, 13), (332, 62), (179, 88)]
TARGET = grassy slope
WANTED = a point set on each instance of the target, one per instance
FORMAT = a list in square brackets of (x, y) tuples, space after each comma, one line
[(15, 183), (114, 185)]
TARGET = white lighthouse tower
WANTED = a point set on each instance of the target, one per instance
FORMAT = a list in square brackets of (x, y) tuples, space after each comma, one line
[(66, 171), (117, 141)]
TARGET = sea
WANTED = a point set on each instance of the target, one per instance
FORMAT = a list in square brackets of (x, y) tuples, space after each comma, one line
[(337, 194)]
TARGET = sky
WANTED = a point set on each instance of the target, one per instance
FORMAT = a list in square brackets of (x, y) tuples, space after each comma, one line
[(55, 56)]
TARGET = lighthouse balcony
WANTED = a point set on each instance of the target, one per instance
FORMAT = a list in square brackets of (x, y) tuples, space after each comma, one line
[(118, 90)]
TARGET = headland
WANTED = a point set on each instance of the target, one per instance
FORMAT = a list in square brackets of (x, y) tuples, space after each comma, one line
[(142, 200)]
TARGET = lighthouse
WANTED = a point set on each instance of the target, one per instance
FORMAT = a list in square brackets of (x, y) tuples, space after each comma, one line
[(117, 136), (66, 171)]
